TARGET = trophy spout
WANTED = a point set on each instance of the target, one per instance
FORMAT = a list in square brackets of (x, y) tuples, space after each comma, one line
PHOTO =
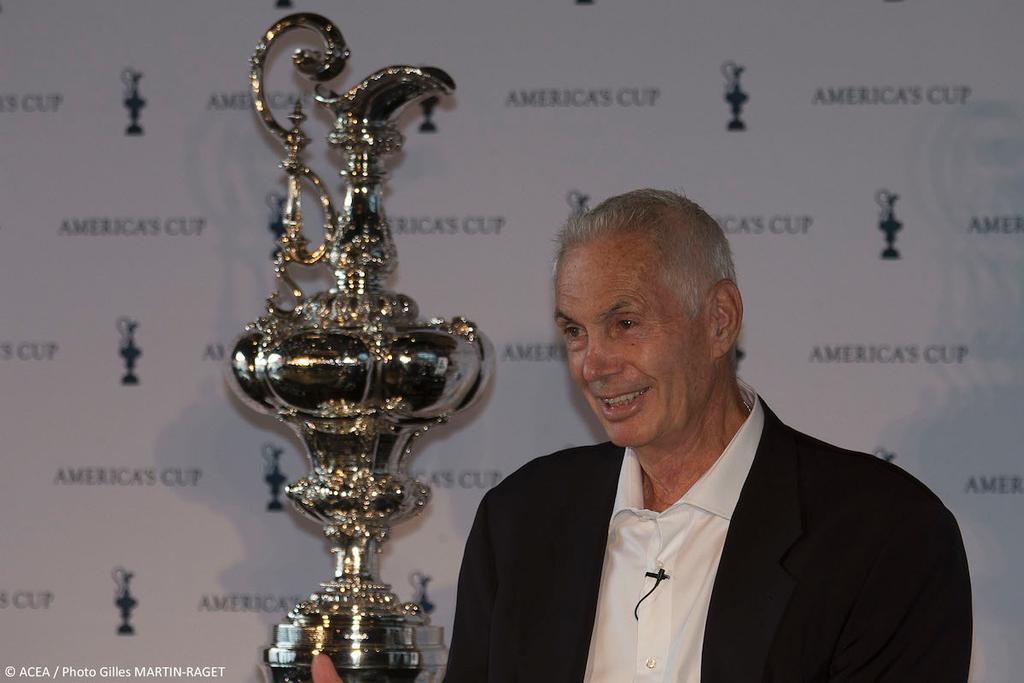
[(364, 116), (381, 96)]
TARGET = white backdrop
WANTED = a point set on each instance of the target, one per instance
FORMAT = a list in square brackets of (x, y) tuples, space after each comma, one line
[(918, 359)]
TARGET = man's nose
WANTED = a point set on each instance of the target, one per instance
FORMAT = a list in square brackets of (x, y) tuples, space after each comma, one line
[(600, 361)]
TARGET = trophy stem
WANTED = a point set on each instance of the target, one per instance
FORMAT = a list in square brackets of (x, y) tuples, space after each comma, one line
[(362, 167), (355, 559), (365, 255)]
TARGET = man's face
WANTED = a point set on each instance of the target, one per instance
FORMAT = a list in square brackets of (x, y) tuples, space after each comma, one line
[(642, 363)]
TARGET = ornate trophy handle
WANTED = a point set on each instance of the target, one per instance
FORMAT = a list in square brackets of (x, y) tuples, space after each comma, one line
[(292, 241), (317, 66), (293, 244)]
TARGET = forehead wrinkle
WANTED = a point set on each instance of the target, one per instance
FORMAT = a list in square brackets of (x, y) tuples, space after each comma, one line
[(628, 295), (615, 308)]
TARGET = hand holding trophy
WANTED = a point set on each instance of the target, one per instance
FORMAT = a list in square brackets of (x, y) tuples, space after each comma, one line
[(323, 670)]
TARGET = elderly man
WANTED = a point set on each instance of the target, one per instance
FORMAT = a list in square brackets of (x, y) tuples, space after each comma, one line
[(706, 541)]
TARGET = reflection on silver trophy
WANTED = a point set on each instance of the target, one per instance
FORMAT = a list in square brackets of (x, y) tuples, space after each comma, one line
[(354, 371)]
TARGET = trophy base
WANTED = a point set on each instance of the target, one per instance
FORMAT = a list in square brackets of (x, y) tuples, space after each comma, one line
[(398, 649), (890, 254), (737, 125)]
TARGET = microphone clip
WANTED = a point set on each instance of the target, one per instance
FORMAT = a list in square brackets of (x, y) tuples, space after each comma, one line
[(658, 578)]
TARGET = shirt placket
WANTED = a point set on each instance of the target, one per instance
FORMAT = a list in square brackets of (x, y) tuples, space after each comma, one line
[(654, 624)]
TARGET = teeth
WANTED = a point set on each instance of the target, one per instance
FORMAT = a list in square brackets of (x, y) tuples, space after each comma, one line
[(619, 400)]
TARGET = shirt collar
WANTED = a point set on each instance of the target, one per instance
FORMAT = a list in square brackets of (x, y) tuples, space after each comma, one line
[(718, 490)]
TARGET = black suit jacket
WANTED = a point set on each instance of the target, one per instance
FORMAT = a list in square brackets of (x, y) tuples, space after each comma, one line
[(837, 566)]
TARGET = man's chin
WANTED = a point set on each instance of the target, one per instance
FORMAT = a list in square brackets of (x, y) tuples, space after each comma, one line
[(623, 438), (626, 432)]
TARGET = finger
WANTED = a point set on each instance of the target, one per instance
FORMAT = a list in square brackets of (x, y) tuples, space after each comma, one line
[(323, 670)]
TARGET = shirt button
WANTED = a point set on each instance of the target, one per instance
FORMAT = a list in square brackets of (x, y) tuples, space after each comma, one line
[(651, 662)]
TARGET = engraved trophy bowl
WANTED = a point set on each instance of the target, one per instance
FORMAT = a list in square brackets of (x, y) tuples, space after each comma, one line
[(354, 371)]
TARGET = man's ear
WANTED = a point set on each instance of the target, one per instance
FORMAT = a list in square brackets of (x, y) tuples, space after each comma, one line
[(725, 316)]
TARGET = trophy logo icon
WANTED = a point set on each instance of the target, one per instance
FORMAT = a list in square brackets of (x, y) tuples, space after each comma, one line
[(129, 351), (275, 202), (579, 203), (887, 221), (132, 101), (124, 600), (273, 475), (419, 582), (283, 3), (427, 105), (734, 95)]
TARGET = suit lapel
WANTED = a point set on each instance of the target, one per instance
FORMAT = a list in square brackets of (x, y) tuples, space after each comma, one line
[(563, 621), (751, 587)]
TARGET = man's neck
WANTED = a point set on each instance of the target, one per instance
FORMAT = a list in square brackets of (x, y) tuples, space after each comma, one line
[(667, 475)]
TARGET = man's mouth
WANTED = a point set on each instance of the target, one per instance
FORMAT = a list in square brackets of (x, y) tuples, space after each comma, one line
[(623, 399)]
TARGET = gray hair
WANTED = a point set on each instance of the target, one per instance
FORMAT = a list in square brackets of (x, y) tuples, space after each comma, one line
[(694, 251)]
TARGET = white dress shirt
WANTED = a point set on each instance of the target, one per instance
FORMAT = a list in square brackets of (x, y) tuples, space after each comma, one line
[(685, 540)]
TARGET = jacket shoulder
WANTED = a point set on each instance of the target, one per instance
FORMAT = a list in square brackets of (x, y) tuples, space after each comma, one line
[(552, 476), (833, 475)]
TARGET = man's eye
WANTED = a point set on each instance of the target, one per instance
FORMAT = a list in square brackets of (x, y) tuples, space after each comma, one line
[(626, 324), (571, 332)]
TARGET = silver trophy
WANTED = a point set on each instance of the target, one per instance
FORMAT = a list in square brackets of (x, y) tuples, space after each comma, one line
[(354, 371)]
